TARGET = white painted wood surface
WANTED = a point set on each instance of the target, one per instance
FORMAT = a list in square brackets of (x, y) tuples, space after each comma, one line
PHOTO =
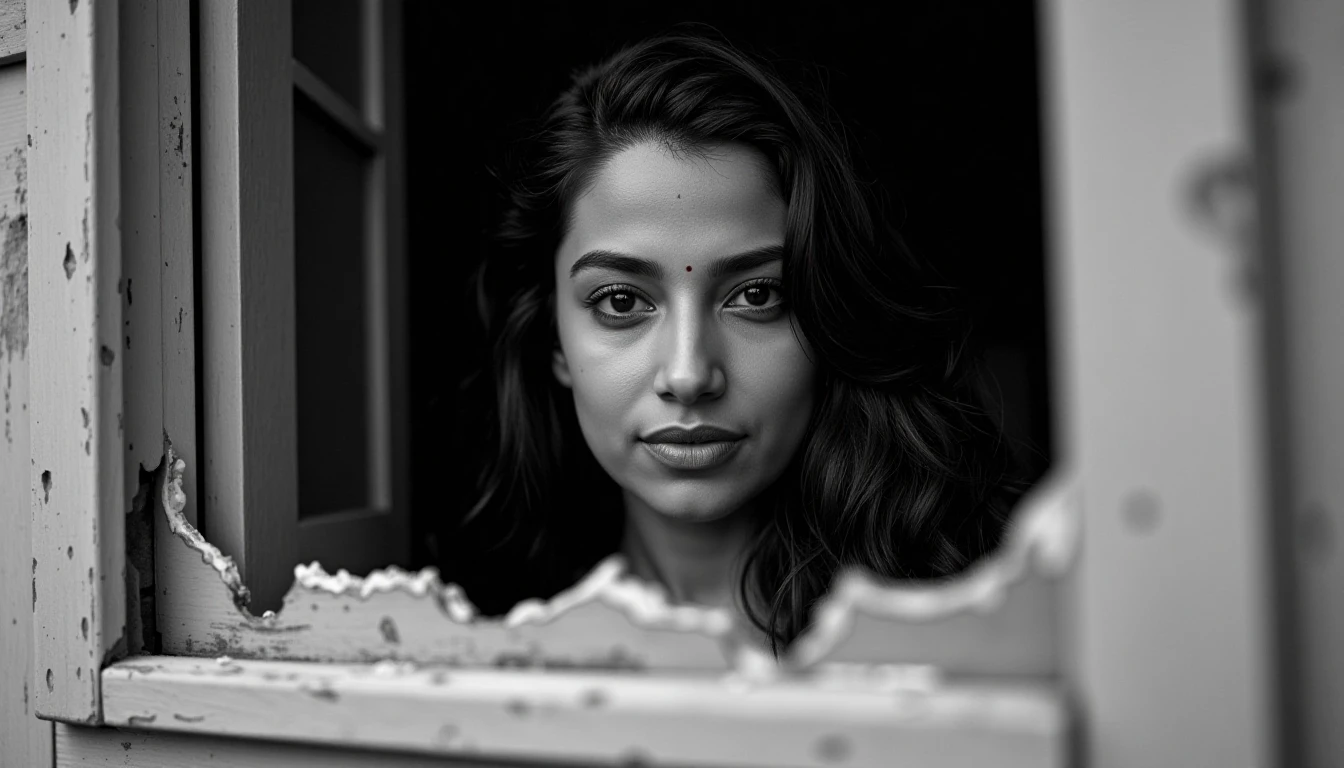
[(1000, 618), (1159, 380), (997, 621), (247, 283), (1305, 112), (142, 321), (24, 740), (86, 747), (680, 720), (176, 248), (77, 488), (13, 30), (397, 615)]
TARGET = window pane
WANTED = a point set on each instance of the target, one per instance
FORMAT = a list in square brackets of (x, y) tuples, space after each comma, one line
[(326, 41), (331, 311)]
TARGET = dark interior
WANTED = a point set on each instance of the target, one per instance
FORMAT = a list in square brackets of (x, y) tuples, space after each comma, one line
[(942, 98)]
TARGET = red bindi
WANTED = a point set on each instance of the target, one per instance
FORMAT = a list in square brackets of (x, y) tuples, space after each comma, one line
[(688, 267)]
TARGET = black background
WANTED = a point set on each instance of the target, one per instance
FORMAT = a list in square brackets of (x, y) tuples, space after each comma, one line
[(941, 98)]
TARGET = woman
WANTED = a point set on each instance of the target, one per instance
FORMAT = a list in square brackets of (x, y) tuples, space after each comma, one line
[(710, 354)]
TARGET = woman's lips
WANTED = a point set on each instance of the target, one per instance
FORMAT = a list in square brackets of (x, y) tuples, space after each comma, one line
[(694, 455)]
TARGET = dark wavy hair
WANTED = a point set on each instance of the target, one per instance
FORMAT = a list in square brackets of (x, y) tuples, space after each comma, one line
[(902, 472)]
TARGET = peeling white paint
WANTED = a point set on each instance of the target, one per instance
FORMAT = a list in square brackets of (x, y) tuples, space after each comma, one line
[(645, 603), (588, 718), (174, 501), (425, 582), (1043, 540), (1044, 537)]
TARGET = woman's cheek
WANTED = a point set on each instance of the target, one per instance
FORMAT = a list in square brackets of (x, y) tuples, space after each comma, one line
[(603, 388)]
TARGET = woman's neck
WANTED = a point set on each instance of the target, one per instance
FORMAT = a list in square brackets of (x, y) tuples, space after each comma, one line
[(696, 561)]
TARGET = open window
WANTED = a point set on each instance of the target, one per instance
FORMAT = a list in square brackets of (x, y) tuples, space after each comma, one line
[(264, 202)]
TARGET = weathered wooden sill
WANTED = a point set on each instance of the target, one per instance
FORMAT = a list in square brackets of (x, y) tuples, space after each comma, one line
[(680, 719)]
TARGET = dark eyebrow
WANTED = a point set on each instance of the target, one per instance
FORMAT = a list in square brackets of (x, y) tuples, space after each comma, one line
[(620, 262), (746, 261)]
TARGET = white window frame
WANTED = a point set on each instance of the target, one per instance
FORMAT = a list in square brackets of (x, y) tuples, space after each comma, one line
[(251, 443), (1133, 447)]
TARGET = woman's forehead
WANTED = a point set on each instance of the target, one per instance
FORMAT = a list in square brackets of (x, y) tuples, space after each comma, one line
[(650, 200)]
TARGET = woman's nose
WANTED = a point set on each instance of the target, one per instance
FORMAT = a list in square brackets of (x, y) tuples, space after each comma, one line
[(690, 367)]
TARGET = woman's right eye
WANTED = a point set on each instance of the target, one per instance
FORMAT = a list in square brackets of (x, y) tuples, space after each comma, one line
[(620, 302)]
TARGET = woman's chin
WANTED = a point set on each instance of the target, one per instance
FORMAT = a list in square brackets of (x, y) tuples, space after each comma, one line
[(692, 505)]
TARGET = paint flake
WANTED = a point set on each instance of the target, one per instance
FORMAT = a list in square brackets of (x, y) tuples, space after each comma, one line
[(174, 501), (1044, 539), (14, 267)]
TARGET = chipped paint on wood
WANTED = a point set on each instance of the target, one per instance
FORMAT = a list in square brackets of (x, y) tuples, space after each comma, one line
[(176, 237), (611, 620), (24, 740), (1000, 617), (142, 263), (13, 30), (247, 261), (78, 501), (607, 621), (14, 258), (678, 719)]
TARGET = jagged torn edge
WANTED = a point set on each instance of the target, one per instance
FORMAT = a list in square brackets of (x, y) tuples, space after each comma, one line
[(644, 605), (1045, 533)]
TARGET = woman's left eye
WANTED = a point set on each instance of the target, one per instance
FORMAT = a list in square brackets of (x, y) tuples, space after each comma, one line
[(757, 296)]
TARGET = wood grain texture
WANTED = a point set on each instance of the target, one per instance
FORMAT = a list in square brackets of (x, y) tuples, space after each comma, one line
[(680, 720), (85, 747), (246, 137), (13, 30), (79, 500), (24, 740), (1158, 327)]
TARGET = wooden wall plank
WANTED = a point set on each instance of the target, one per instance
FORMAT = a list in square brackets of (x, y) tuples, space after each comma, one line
[(577, 716), (1304, 122), (246, 138), (1159, 331), (77, 488), (24, 740)]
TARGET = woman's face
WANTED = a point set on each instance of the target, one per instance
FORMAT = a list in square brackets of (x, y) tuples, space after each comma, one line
[(692, 389)]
